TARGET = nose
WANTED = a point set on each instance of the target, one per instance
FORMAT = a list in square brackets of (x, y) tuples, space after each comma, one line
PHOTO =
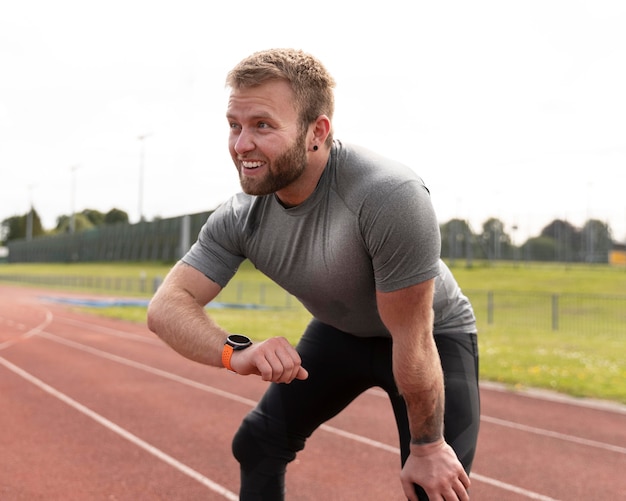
[(243, 142)]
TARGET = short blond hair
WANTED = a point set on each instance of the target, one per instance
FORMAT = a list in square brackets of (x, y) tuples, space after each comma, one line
[(311, 83)]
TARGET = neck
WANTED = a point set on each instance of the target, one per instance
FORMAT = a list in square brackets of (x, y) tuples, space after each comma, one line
[(300, 190)]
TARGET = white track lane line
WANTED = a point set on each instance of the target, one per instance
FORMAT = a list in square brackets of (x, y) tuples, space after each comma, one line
[(554, 434), (215, 487), (537, 431), (31, 332), (110, 331), (330, 429)]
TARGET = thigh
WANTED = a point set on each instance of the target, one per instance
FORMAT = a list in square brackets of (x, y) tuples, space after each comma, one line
[(338, 373), (459, 360)]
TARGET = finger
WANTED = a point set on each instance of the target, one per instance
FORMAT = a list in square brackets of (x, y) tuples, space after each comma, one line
[(302, 373), (279, 362), (460, 491), (279, 366), (266, 361), (286, 367), (465, 480), (264, 368), (291, 362), (292, 366), (409, 491)]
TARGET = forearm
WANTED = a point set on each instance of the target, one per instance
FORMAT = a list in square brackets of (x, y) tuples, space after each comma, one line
[(418, 373), (432, 464), (183, 324)]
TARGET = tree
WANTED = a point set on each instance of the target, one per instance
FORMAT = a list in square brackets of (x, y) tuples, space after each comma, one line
[(597, 241), (81, 223), (95, 217), (116, 216), (456, 240), (89, 218), (539, 249), (567, 239), (17, 227), (494, 240), (591, 244)]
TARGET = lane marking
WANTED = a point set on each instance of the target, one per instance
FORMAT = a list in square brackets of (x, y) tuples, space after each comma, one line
[(29, 333), (252, 403), (553, 396), (473, 476), (537, 431), (146, 368), (215, 487), (554, 434), (511, 488), (110, 331)]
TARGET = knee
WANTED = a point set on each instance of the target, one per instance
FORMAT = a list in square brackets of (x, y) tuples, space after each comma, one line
[(245, 447), (256, 442)]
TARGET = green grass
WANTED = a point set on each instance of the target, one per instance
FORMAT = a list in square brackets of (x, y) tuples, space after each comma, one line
[(585, 356), (540, 277)]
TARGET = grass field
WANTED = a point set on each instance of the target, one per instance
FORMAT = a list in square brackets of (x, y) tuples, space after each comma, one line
[(585, 356)]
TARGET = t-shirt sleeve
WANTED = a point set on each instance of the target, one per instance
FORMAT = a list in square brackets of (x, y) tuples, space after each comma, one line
[(403, 237), (215, 253)]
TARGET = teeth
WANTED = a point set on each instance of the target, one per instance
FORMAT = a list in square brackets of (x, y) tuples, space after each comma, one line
[(251, 165)]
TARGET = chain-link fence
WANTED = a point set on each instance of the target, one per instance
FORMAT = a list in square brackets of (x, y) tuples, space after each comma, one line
[(538, 310), (567, 312)]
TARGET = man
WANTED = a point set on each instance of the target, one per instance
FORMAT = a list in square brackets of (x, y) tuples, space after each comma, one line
[(354, 237)]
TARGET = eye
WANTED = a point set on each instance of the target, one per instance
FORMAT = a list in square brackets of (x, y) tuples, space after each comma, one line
[(263, 125)]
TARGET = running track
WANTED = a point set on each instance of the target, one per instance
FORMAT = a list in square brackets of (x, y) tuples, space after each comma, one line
[(99, 409)]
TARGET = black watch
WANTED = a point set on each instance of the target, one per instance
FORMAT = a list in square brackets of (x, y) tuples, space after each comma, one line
[(234, 342)]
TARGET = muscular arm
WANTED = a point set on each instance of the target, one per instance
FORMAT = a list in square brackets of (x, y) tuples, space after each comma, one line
[(177, 315), (408, 315)]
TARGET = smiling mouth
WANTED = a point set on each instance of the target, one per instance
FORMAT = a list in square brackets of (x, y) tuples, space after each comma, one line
[(251, 165)]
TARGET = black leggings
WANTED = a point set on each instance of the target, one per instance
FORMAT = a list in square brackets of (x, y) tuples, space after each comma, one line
[(341, 367)]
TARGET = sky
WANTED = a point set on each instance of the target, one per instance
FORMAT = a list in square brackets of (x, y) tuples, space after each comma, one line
[(514, 110)]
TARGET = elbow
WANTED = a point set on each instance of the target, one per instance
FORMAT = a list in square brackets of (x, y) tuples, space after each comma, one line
[(153, 316)]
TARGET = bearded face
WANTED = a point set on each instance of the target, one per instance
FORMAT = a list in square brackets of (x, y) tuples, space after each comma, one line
[(286, 168)]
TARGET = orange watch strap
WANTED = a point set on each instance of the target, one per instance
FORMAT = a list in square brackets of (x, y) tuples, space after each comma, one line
[(227, 352)]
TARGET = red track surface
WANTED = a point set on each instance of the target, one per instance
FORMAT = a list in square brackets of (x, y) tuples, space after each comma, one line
[(98, 409)]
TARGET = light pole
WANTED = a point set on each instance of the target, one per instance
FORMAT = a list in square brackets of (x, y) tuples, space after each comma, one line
[(73, 169), (142, 154), (29, 217)]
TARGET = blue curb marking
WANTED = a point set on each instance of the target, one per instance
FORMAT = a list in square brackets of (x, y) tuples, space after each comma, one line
[(108, 303)]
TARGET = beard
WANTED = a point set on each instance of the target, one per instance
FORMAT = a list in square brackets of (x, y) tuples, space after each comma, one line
[(283, 171)]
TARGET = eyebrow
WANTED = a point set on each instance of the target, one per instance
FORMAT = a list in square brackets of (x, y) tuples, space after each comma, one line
[(257, 116), (260, 114)]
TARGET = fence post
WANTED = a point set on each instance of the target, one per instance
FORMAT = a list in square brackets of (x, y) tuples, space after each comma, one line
[(156, 283), (490, 307), (185, 235), (555, 312)]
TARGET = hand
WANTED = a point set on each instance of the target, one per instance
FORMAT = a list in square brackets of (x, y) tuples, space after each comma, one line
[(274, 359), (437, 470)]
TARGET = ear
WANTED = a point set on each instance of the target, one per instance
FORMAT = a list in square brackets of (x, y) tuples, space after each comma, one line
[(321, 129)]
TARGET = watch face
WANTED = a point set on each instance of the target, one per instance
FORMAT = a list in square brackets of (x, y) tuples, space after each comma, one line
[(239, 341)]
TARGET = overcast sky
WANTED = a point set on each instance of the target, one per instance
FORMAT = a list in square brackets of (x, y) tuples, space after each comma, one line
[(508, 109)]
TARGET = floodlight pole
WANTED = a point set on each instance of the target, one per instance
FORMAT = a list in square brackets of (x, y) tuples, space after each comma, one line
[(29, 216), (142, 154), (73, 169)]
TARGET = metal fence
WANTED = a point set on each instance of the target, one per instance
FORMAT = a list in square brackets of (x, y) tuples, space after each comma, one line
[(579, 313), (556, 312), (161, 240)]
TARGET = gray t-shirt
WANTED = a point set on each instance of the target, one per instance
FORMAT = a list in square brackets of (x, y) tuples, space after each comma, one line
[(368, 225)]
